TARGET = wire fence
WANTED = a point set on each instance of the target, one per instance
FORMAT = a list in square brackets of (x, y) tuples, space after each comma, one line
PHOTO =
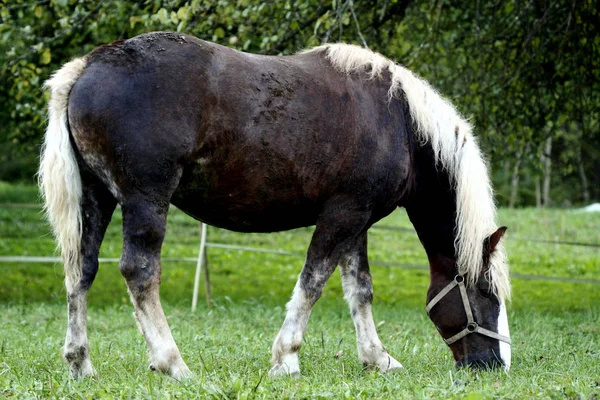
[(378, 263), (517, 238)]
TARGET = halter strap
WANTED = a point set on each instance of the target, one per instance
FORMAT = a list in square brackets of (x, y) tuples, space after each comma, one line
[(472, 326)]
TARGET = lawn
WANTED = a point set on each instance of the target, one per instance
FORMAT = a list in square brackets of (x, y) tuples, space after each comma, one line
[(554, 316)]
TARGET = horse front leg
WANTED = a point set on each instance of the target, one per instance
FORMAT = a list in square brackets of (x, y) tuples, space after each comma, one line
[(287, 344), (144, 226), (307, 291), (358, 292), (337, 227), (97, 205)]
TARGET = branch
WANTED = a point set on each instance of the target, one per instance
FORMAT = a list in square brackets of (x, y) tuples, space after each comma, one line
[(351, 4), (23, 5), (291, 33), (396, 10), (341, 8)]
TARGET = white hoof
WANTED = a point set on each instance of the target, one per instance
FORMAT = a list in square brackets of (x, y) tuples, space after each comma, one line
[(288, 366), (180, 372), (388, 364), (385, 363), (85, 370), (177, 370), (79, 361)]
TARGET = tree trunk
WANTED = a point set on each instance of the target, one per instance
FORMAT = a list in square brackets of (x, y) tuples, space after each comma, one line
[(547, 165), (514, 183), (581, 134), (538, 192), (506, 175), (585, 191)]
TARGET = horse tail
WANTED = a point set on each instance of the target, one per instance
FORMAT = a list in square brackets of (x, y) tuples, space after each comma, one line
[(58, 176)]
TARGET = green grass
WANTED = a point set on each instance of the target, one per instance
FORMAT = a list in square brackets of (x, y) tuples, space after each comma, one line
[(555, 325), (228, 348), (18, 193)]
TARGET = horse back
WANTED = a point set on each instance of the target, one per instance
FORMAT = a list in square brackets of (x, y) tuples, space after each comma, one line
[(241, 141)]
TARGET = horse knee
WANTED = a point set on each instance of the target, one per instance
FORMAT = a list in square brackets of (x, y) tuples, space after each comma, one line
[(357, 283), (313, 279), (363, 294)]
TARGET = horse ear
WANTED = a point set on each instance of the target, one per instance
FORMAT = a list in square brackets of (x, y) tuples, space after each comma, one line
[(494, 238)]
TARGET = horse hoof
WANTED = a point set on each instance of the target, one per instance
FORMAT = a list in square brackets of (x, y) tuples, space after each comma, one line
[(286, 365), (181, 373), (384, 364), (177, 372), (283, 370), (83, 370), (390, 365)]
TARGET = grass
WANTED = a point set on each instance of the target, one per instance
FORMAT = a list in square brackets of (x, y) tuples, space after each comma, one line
[(228, 348), (555, 325), (18, 193)]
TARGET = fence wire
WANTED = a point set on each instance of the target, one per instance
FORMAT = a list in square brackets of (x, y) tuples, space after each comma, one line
[(385, 264)]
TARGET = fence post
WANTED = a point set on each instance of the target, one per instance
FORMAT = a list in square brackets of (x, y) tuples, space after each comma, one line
[(201, 260)]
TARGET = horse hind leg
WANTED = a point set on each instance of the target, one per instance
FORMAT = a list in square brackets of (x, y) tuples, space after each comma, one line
[(144, 227), (97, 206), (358, 292)]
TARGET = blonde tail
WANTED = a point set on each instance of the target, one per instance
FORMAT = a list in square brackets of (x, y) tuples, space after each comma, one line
[(58, 176)]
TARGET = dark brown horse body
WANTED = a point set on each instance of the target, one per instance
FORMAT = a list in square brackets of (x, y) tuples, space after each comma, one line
[(259, 144), (223, 128)]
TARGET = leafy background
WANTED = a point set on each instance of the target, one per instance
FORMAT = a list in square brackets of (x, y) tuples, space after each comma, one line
[(526, 73)]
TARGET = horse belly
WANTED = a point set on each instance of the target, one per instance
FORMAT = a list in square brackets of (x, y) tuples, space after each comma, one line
[(240, 203)]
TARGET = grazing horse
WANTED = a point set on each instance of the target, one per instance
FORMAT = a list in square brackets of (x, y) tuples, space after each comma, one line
[(336, 136)]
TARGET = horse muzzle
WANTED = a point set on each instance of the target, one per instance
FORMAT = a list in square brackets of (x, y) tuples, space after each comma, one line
[(481, 362)]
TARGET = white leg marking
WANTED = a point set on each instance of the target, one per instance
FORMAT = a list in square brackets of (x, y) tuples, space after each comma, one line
[(505, 350), (370, 349), (76, 350), (164, 354), (289, 339)]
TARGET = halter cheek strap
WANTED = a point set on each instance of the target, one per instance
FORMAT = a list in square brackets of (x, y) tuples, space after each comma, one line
[(472, 326)]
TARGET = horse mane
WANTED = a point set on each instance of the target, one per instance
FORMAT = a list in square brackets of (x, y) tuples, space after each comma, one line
[(439, 124)]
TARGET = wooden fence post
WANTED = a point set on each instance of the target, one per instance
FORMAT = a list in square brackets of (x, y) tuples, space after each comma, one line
[(201, 260)]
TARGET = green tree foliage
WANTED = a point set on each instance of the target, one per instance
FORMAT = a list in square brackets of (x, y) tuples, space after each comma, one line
[(524, 71)]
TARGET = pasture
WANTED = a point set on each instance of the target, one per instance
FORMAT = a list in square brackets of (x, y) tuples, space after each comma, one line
[(554, 315)]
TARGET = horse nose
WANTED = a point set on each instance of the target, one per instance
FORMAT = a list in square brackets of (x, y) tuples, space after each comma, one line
[(481, 363)]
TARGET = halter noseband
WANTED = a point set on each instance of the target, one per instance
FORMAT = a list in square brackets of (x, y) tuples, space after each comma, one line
[(472, 326)]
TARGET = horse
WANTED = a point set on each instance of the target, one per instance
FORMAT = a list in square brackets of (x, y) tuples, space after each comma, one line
[(336, 136)]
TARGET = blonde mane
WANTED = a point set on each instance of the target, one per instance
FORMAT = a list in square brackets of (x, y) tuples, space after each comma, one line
[(439, 124)]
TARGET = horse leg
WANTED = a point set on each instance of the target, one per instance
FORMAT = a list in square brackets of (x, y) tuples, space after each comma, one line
[(331, 236), (97, 205), (144, 227), (358, 292)]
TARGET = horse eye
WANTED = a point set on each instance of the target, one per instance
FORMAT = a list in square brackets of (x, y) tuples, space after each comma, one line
[(487, 292), (485, 289)]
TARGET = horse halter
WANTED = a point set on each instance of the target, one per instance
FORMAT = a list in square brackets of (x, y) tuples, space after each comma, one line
[(472, 326)]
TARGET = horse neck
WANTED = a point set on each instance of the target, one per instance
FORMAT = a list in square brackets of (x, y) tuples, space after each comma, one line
[(431, 208)]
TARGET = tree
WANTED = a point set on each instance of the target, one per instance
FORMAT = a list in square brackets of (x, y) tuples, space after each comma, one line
[(527, 73)]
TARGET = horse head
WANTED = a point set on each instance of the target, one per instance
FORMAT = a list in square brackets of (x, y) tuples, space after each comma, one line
[(468, 313)]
